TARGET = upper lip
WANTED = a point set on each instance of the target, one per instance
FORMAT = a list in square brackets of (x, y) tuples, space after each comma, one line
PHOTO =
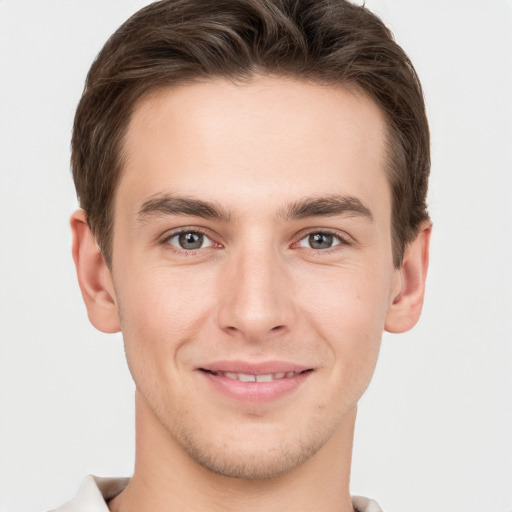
[(253, 368)]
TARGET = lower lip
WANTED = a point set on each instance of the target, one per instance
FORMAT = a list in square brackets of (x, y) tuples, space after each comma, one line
[(256, 392)]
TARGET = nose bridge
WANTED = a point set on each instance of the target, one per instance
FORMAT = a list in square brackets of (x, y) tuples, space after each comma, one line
[(257, 297)]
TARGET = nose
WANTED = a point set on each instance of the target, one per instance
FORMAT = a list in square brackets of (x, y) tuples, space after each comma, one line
[(257, 297)]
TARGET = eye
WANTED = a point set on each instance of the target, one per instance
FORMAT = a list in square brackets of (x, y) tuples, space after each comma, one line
[(320, 241), (189, 240)]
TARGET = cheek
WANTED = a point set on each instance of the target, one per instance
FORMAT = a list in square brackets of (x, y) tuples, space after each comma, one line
[(348, 299), (160, 314), (164, 303), (349, 312)]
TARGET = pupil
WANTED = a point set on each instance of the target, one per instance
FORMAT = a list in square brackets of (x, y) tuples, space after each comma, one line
[(320, 241), (191, 240)]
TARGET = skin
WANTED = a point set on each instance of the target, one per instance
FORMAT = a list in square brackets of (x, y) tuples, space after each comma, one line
[(256, 290)]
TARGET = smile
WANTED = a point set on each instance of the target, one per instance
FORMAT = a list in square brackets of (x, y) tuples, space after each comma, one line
[(247, 377), (255, 383)]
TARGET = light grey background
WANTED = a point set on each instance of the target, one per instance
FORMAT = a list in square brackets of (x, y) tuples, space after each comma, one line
[(435, 428)]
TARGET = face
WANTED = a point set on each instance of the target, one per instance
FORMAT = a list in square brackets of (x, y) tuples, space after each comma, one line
[(252, 266)]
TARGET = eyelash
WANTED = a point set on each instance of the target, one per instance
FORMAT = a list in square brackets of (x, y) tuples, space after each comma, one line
[(184, 252), (342, 241)]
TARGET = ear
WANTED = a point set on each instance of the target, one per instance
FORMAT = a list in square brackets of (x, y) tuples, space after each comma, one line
[(405, 309), (94, 276)]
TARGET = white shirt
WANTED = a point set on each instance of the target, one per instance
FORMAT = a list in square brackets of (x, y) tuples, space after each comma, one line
[(96, 491)]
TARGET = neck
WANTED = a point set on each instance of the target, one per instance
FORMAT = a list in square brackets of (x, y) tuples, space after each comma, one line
[(167, 478)]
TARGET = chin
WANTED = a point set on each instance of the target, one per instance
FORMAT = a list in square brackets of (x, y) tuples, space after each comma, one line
[(271, 455), (249, 465)]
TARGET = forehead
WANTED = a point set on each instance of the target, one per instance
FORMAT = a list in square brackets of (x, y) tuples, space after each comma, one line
[(266, 139)]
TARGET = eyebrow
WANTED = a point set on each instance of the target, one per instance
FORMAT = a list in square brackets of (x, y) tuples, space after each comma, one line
[(174, 205), (326, 206)]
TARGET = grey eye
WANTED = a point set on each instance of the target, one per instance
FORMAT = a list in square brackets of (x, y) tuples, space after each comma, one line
[(319, 241), (190, 240)]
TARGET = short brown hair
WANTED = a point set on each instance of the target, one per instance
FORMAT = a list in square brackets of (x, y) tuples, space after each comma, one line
[(173, 42)]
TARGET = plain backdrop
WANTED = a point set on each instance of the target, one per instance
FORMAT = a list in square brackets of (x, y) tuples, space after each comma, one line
[(435, 427)]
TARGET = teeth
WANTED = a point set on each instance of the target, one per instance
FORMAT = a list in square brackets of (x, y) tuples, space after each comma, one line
[(246, 377), (264, 378)]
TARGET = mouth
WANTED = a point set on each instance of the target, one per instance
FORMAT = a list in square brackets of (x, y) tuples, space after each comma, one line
[(250, 377), (255, 383)]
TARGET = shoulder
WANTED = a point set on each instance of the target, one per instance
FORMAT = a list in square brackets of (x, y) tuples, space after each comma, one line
[(362, 504), (93, 494)]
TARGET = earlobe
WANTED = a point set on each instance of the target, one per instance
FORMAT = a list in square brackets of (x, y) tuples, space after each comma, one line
[(405, 309), (94, 276)]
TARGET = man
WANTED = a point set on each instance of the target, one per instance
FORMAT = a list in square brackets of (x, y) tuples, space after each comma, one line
[(252, 177)]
